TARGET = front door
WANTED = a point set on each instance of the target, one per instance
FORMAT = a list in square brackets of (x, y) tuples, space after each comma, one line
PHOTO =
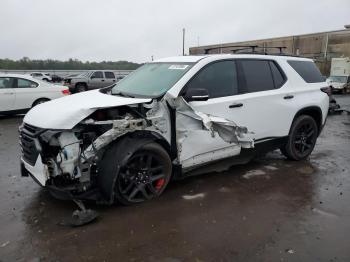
[(7, 94), (97, 80)]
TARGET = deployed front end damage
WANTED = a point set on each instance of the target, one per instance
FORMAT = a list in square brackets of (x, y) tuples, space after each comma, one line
[(68, 161)]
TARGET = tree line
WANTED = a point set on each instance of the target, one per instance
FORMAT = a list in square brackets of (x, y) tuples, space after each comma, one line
[(72, 64)]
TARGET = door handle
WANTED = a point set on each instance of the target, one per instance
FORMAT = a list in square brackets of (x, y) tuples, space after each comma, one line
[(113, 80), (235, 105), (288, 97), (8, 93), (102, 80)]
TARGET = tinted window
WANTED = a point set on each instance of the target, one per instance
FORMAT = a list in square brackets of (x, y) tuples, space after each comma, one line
[(97, 74), (307, 70), (278, 78), (219, 79), (109, 75), (24, 83), (256, 76), (6, 82)]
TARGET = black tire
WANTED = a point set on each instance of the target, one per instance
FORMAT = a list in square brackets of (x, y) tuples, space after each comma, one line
[(143, 176), (302, 138), (40, 101), (80, 88)]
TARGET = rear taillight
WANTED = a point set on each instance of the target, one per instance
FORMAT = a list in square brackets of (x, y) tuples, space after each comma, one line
[(66, 92), (327, 90)]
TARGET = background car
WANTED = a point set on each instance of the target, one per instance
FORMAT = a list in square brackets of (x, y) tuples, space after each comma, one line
[(56, 78), (90, 80), (19, 93), (41, 76)]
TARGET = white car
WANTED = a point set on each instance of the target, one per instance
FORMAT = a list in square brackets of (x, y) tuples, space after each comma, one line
[(126, 142), (19, 93), (41, 76)]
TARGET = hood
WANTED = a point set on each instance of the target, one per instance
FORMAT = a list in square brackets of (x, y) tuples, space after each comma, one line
[(66, 112)]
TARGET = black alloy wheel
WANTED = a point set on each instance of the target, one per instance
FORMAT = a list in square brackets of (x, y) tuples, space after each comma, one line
[(302, 138), (145, 175)]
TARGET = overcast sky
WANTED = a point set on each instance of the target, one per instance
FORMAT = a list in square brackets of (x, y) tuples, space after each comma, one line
[(135, 30)]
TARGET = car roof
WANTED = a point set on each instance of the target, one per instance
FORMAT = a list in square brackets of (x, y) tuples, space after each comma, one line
[(18, 76), (196, 58)]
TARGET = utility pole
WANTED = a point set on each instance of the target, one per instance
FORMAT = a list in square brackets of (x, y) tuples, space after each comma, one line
[(183, 41)]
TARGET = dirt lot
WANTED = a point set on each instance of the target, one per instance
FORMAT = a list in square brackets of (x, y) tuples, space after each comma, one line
[(269, 210)]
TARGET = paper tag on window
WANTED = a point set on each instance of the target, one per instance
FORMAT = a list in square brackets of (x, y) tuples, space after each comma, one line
[(178, 67)]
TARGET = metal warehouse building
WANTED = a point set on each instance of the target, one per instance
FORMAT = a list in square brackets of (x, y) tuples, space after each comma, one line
[(321, 47)]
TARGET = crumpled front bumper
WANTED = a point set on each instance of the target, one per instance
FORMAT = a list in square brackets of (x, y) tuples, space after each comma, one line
[(39, 172)]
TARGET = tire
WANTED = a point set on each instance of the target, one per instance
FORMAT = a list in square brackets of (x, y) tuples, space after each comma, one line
[(45, 79), (142, 176), (40, 101), (80, 88), (302, 138)]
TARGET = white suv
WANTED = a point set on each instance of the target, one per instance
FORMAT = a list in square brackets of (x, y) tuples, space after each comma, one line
[(127, 141)]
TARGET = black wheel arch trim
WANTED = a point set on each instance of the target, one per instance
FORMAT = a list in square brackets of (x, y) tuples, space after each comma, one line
[(306, 111)]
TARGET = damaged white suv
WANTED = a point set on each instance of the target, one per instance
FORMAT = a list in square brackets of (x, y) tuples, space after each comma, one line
[(126, 142)]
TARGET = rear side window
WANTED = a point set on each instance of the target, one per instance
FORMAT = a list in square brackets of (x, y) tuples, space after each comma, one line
[(219, 79), (109, 75), (24, 83), (307, 70), (255, 76)]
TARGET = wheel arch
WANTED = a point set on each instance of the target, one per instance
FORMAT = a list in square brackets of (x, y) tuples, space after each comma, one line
[(81, 83), (122, 148), (41, 98), (315, 112)]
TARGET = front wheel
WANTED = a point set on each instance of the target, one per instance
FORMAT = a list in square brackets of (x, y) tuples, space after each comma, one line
[(302, 138), (144, 176)]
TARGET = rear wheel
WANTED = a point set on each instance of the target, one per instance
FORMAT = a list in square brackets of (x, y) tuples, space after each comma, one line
[(40, 101), (144, 176), (80, 88), (302, 138)]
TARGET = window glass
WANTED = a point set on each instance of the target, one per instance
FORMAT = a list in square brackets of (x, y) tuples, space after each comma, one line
[(97, 74), (151, 80), (278, 78), (219, 79), (24, 83), (256, 76), (109, 75), (307, 70), (6, 82)]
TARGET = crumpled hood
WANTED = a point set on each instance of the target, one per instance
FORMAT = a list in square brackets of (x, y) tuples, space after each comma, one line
[(66, 112)]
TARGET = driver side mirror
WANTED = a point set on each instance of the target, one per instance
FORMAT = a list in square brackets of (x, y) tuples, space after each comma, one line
[(196, 94), (92, 77)]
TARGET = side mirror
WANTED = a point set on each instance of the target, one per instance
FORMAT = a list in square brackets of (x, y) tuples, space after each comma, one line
[(196, 94), (92, 77)]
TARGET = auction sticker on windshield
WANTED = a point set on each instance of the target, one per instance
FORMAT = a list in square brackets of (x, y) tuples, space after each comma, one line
[(178, 67)]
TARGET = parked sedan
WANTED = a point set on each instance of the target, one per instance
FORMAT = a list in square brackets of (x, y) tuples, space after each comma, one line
[(41, 76), (19, 93)]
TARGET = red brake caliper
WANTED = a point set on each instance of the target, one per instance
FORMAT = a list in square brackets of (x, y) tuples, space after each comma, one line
[(160, 183)]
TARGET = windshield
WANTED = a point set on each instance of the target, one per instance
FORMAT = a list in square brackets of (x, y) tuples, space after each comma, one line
[(151, 80), (340, 79), (83, 75)]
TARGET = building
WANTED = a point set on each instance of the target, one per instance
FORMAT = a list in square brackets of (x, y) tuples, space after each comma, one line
[(321, 47)]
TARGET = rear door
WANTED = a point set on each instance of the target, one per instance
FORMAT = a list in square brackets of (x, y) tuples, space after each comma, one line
[(109, 78), (26, 93), (97, 80), (7, 94)]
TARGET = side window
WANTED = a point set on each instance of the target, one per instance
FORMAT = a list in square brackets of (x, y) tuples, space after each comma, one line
[(109, 75), (24, 83), (97, 74), (6, 82), (307, 70), (255, 76), (278, 77), (219, 79)]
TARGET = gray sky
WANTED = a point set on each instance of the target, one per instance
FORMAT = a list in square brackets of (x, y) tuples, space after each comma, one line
[(135, 30)]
